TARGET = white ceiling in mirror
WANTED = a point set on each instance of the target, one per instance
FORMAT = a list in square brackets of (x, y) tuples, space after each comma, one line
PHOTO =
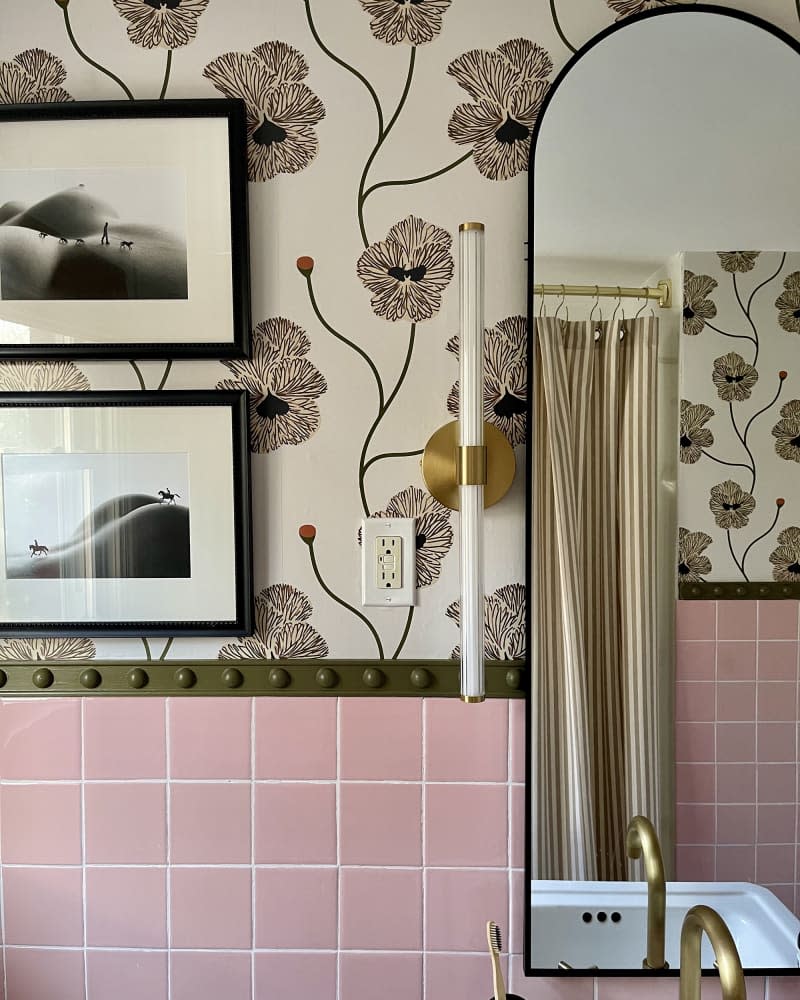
[(676, 133)]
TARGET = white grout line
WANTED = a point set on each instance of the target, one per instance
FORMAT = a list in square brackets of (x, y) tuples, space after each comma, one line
[(83, 851), (252, 849), (168, 835), (510, 737), (3, 913), (338, 802), (423, 726)]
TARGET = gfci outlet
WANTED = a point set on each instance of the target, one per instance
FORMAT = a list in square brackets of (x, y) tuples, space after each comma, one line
[(388, 561)]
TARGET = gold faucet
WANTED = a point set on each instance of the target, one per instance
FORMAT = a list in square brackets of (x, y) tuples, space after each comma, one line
[(697, 920), (642, 841)]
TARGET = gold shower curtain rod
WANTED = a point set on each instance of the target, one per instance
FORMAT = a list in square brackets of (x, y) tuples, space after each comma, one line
[(662, 292)]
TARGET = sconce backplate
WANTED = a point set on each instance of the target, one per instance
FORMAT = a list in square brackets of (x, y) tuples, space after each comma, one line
[(439, 467)]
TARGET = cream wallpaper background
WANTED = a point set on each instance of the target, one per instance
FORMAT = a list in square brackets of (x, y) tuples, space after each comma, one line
[(377, 127)]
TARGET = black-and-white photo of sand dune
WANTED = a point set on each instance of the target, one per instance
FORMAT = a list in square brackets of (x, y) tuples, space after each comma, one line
[(93, 234), (77, 516)]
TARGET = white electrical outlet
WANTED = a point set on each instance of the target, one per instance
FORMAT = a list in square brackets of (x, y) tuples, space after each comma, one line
[(388, 561)]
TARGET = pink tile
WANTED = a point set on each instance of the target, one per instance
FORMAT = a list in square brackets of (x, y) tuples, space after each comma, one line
[(777, 619), (694, 864), (696, 620), (777, 824), (695, 783), (381, 738), (551, 989), (453, 898), (736, 864), (785, 893), (517, 833), (36, 974), (126, 975), (282, 974), (777, 701), (736, 661), (736, 783), (736, 824), (777, 661), (209, 824), (126, 823), (466, 742), (43, 906), (775, 863), (284, 748), (468, 977), (295, 824), (125, 738), (198, 975), (381, 909), (41, 824), (141, 922), (209, 737), (777, 782), (695, 701), (694, 742), (736, 701), (631, 989), (782, 988), (399, 976), (736, 619), (466, 825), (296, 908), (380, 824), (736, 741), (517, 738), (211, 907), (695, 824), (514, 935), (776, 742), (41, 739), (695, 661)]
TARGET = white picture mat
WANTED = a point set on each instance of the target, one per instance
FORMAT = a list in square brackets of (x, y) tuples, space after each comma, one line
[(198, 146), (204, 433)]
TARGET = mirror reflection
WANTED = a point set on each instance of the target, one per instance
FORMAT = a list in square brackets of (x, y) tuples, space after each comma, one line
[(665, 142)]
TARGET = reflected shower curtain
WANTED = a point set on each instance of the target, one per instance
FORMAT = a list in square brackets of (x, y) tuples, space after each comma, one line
[(594, 721)]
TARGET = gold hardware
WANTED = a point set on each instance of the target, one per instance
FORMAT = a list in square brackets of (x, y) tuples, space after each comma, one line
[(697, 920), (440, 465), (642, 842), (472, 699), (472, 465), (465, 226), (662, 292)]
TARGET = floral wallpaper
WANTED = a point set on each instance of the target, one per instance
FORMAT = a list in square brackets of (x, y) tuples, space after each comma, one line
[(374, 128), (739, 485)]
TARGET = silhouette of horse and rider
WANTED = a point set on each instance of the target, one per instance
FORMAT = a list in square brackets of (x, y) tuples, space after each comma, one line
[(37, 549), (167, 496)]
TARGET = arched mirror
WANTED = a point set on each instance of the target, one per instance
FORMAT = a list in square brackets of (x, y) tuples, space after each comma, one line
[(670, 138)]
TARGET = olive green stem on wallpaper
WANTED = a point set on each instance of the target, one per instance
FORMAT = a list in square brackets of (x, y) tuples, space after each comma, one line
[(107, 72)]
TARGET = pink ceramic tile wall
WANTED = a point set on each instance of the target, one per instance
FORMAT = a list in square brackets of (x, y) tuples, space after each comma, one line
[(198, 849), (737, 722)]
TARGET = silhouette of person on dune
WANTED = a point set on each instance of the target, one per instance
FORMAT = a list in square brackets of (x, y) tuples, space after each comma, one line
[(104, 240)]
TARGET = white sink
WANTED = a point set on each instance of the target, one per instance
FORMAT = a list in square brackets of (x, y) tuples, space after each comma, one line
[(605, 923)]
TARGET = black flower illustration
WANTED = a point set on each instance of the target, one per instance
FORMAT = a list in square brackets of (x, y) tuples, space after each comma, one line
[(786, 557), (33, 77), (787, 432), (733, 377), (41, 376), (504, 623), (697, 308), (730, 505), (692, 564), (738, 261), (694, 436), (166, 24), (408, 271), (434, 533), (505, 384), (282, 384), (624, 8), (412, 21), (282, 629), (788, 303), (281, 110), (47, 649), (507, 85)]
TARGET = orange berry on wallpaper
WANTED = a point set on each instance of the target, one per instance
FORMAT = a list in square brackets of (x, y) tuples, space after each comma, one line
[(308, 533), (305, 265)]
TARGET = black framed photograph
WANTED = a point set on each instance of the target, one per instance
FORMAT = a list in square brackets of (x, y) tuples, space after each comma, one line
[(123, 230), (125, 513)]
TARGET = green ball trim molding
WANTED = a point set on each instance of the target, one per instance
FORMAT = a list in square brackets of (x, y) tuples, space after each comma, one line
[(738, 590), (292, 678)]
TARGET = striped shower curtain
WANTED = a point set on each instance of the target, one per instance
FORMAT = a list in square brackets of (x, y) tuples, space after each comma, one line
[(595, 724)]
